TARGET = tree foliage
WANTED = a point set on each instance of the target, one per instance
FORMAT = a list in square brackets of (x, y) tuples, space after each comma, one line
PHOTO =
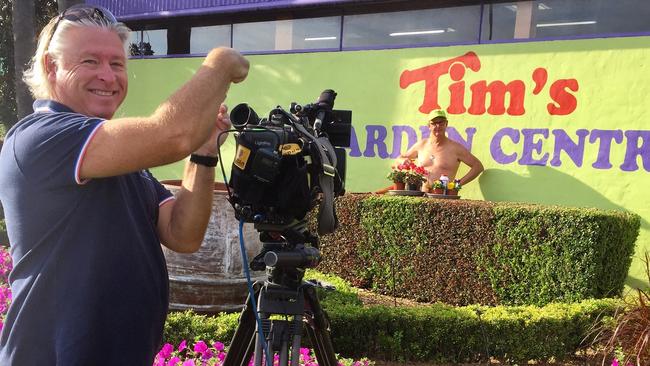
[(45, 9)]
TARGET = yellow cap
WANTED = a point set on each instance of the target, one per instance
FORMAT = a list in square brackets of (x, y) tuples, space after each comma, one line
[(437, 114)]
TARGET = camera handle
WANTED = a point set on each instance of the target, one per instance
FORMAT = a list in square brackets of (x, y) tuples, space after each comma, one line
[(327, 221)]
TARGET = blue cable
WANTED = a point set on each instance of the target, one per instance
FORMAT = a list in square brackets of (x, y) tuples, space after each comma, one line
[(251, 292)]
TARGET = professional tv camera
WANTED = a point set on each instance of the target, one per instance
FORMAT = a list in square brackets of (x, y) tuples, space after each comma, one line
[(283, 166), (285, 162)]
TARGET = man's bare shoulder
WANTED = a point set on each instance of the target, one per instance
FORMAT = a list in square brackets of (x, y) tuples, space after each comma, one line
[(458, 147)]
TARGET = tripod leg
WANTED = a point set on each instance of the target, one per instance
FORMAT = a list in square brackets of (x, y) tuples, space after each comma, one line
[(259, 350), (284, 354), (241, 346), (295, 347), (318, 330)]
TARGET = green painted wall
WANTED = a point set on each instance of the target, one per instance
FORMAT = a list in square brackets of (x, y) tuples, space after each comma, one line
[(572, 132)]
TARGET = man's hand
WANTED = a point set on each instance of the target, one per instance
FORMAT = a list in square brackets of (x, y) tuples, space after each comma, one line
[(222, 123), (230, 60)]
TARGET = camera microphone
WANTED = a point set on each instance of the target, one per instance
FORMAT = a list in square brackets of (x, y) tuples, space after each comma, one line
[(324, 104)]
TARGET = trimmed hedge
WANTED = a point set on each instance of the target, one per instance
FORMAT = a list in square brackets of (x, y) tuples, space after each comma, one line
[(4, 239), (463, 252), (432, 333)]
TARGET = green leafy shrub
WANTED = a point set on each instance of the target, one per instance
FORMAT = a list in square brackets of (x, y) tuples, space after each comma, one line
[(188, 325), (543, 254), (474, 252), (431, 333), (4, 240)]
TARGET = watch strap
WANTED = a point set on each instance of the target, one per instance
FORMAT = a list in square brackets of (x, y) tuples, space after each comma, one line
[(209, 161)]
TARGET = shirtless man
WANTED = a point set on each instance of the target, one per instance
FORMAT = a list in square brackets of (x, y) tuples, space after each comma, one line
[(441, 156)]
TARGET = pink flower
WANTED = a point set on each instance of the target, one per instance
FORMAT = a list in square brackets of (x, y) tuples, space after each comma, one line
[(207, 354), (615, 362), (159, 361), (182, 346), (221, 356), (173, 361), (189, 363), (200, 347), (166, 351), (218, 346)]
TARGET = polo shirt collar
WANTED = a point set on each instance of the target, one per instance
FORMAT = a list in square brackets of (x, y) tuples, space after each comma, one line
[(46, 105)]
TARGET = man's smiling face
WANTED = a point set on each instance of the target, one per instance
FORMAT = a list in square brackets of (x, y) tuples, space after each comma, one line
[(90, 77)]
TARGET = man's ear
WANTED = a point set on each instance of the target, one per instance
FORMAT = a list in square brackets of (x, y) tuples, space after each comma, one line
[(50, 67)]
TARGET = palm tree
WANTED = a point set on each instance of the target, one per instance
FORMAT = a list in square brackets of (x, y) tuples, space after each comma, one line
[(23, 15)]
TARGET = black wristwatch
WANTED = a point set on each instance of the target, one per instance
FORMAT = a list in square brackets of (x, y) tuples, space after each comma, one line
[(209, 161)]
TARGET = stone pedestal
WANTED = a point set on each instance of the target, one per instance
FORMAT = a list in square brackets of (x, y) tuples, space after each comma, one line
[(212, 279)]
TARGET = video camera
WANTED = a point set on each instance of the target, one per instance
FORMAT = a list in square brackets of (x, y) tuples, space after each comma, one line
[(287, 162), (283, 165)]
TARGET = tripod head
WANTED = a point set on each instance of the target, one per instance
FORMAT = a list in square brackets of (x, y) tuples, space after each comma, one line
[(287, 250)]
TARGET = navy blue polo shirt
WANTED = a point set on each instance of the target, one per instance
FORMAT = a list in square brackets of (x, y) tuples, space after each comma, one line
[(89, 282)]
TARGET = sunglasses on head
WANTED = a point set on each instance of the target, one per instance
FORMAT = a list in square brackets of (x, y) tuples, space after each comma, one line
[(80, 12)]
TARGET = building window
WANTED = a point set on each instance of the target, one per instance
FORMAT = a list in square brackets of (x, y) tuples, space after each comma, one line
[(293, 34), (561, 18), (203, 39), (556, 18), (414, 27), (150, 43)]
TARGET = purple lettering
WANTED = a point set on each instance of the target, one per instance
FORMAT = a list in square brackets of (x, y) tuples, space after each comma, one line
[(532, 145), (453, 134), (495, 145), (354, 144), (376, 136), (397, 139), (425, 132), (575, 151), (605, 137), (633, 150)]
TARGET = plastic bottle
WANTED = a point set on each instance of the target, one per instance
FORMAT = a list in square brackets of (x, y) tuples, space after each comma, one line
[(444, 179)]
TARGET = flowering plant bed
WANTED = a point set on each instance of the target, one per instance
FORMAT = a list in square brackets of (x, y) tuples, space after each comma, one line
[(214, 353), (5, 290)]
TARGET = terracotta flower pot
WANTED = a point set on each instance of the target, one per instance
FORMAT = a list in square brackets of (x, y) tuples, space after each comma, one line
[(398, 186), (438, 191), (452, 192)]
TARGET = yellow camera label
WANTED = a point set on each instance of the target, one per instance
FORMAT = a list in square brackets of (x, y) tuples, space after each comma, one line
[(241, 157), (290, 149)]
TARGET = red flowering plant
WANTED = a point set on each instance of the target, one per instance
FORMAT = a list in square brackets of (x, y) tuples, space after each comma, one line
[(413, 173), (396, 175)]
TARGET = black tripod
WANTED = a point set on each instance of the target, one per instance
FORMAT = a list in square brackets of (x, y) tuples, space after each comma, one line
[(284, 294)]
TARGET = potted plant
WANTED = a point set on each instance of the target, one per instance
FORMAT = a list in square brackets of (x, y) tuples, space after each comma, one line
[(453, 188), (437, 187), (414, 175), (397, 176)]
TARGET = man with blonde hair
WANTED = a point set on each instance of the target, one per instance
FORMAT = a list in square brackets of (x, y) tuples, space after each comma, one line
[(84, 216)]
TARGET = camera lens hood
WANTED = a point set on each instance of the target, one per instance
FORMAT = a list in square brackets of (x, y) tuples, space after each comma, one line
[(243, 115)]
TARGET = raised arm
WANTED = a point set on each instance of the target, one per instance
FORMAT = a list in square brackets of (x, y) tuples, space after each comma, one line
[(182, 222), (179, 125)]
